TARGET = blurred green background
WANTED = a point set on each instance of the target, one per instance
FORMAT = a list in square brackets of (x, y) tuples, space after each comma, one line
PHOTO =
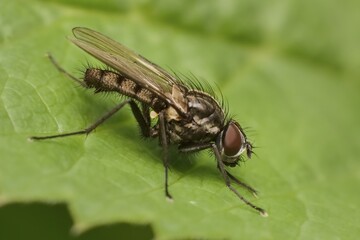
[(290, 73)]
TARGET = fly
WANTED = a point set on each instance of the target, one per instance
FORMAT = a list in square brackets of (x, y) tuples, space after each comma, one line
[(186, 114)]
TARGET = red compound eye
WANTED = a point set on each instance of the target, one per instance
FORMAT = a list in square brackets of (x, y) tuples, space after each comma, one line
[(232, 140)]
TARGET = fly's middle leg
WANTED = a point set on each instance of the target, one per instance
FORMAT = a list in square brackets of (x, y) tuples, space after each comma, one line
[(164, 143), (142, 116)]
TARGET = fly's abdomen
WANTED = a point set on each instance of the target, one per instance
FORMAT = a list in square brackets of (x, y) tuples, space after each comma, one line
[(109, 81)]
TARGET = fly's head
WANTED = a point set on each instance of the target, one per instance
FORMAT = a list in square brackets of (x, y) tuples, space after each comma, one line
[(232, 142)]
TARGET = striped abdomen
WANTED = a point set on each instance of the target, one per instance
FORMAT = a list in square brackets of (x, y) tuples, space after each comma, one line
[(109, 81)]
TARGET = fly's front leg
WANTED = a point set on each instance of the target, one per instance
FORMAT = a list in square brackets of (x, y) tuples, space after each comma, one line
[(190, 148), (164, 144), (244, 185), (226, 177), (195, 147)]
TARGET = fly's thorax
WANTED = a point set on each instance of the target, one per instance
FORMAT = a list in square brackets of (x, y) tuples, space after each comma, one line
[(205, 121)]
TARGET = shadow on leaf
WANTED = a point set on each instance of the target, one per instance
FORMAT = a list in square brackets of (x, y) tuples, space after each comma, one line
[(43, 221)]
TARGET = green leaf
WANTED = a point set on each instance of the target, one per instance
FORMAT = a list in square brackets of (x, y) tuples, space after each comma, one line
[(288, 69)]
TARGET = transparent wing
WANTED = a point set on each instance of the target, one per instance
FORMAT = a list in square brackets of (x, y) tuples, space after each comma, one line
[(127, 62)]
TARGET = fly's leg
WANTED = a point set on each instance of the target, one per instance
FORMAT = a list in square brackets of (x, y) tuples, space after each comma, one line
[(194, 147), (201, 146), (226, 177), (164, 144), (244, 185), (63, 71), (142, 116), (88, 129), (146, 113)]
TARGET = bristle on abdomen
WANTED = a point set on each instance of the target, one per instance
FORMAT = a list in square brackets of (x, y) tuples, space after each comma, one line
[(109, 81)]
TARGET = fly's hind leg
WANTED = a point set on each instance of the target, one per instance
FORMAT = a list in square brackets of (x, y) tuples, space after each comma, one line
[(141, 116), (88, 129), (92, 126), (63, 71)]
